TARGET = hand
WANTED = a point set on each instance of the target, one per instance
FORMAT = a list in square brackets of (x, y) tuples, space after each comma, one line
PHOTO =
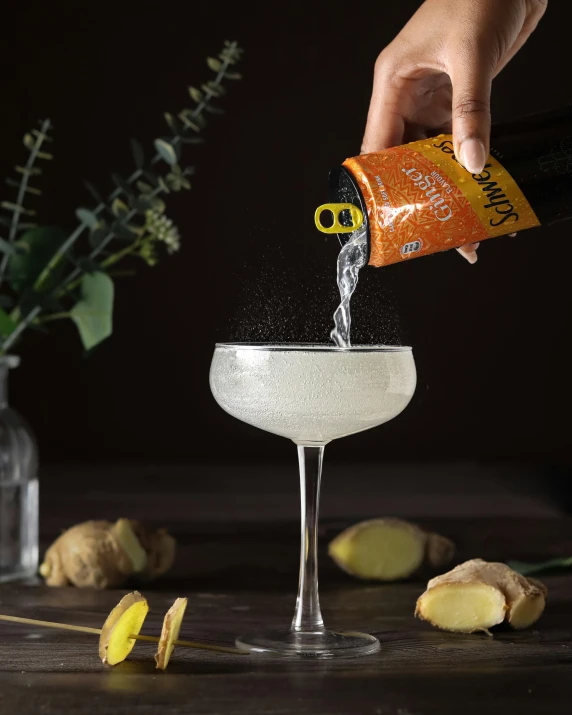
[(437, 73)]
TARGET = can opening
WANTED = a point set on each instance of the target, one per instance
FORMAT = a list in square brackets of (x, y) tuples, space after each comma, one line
[(344, 189), (345, 218), (327, 218)]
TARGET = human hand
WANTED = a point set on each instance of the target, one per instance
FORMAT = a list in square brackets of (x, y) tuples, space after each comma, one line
[(437, 73)]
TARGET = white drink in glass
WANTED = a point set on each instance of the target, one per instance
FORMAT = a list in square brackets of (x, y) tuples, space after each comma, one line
[(311, 394)]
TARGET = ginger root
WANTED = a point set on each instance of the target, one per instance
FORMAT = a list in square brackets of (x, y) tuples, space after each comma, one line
[(160, 548), (125, 620), (170, 632), (388, 549), (99, 554), (478, 595)]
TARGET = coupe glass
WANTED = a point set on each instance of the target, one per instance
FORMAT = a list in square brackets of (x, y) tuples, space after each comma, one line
[(311, 394)]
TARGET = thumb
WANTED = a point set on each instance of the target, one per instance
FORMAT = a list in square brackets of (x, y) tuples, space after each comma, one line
[(471, 113)]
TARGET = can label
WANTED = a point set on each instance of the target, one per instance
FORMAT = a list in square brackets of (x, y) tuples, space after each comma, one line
[(420, 200)]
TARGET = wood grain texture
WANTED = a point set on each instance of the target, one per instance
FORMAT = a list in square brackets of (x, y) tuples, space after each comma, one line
[(242, 575)]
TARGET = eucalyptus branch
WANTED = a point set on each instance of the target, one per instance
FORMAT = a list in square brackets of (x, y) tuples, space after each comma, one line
[(231, 56), (166, 150), (110, 261), (98, 249), (34, 146)]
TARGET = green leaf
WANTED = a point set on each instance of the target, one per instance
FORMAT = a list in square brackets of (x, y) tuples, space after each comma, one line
[(196, 95), (166, 151), (159, 205), (29, 141), (93, 313), (176, 146), (87, 217), (138, 153), (174, 125), (119, 208), (38, 247), (164, 186), (192, 140), (218, 89), (215, 65), (144, 188), (185, 117), (232, 75), (200, 120), (526, 569), (7, 325), (144, 204), (213, 89)]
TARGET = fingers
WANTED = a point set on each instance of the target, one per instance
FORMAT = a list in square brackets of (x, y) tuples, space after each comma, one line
[(471, 79), (469, 252), (385, 126)]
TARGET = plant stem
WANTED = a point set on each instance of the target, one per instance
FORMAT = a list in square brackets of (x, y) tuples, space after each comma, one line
[(46, 125), (54, 316)]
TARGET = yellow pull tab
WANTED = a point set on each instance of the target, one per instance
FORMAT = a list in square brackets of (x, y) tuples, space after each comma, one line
[(335, 210)]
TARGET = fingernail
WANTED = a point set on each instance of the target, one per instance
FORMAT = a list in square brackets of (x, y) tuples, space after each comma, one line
[(472, 155), (471, 257)]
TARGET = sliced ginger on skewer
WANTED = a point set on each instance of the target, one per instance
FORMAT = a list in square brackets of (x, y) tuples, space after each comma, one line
[(124, 622), (122, 629), (170, 632)]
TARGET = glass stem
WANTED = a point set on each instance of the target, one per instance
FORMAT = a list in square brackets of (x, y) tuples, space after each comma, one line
[(308, 617)]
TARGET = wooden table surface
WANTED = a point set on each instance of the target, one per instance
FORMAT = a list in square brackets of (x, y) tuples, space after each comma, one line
[(237, 562)]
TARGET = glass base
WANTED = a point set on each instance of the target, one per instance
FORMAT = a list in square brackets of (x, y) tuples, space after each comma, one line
[(318, 644)]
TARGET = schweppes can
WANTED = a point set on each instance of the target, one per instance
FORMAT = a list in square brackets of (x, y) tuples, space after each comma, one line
[(417, 199)]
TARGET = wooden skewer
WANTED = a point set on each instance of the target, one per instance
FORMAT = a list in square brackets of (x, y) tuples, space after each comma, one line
[(194, 644), (97, 631)]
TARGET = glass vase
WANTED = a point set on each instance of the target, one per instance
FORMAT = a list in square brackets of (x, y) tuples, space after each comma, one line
[(18, 488)]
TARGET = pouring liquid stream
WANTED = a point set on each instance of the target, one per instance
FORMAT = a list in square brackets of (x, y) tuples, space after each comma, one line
[(352, 258)]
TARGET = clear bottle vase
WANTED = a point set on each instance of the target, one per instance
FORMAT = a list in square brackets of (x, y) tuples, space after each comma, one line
[(18, 488)]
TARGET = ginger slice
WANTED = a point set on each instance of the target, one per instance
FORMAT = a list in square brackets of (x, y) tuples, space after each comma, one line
[(170, 632), (124, 621), (388, 549), (478, 595), (123, 531)]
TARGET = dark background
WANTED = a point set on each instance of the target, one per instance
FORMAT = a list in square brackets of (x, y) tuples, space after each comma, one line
[(490, 340)]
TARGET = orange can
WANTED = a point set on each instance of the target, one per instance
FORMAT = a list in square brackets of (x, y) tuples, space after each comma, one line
[(417, 199)]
